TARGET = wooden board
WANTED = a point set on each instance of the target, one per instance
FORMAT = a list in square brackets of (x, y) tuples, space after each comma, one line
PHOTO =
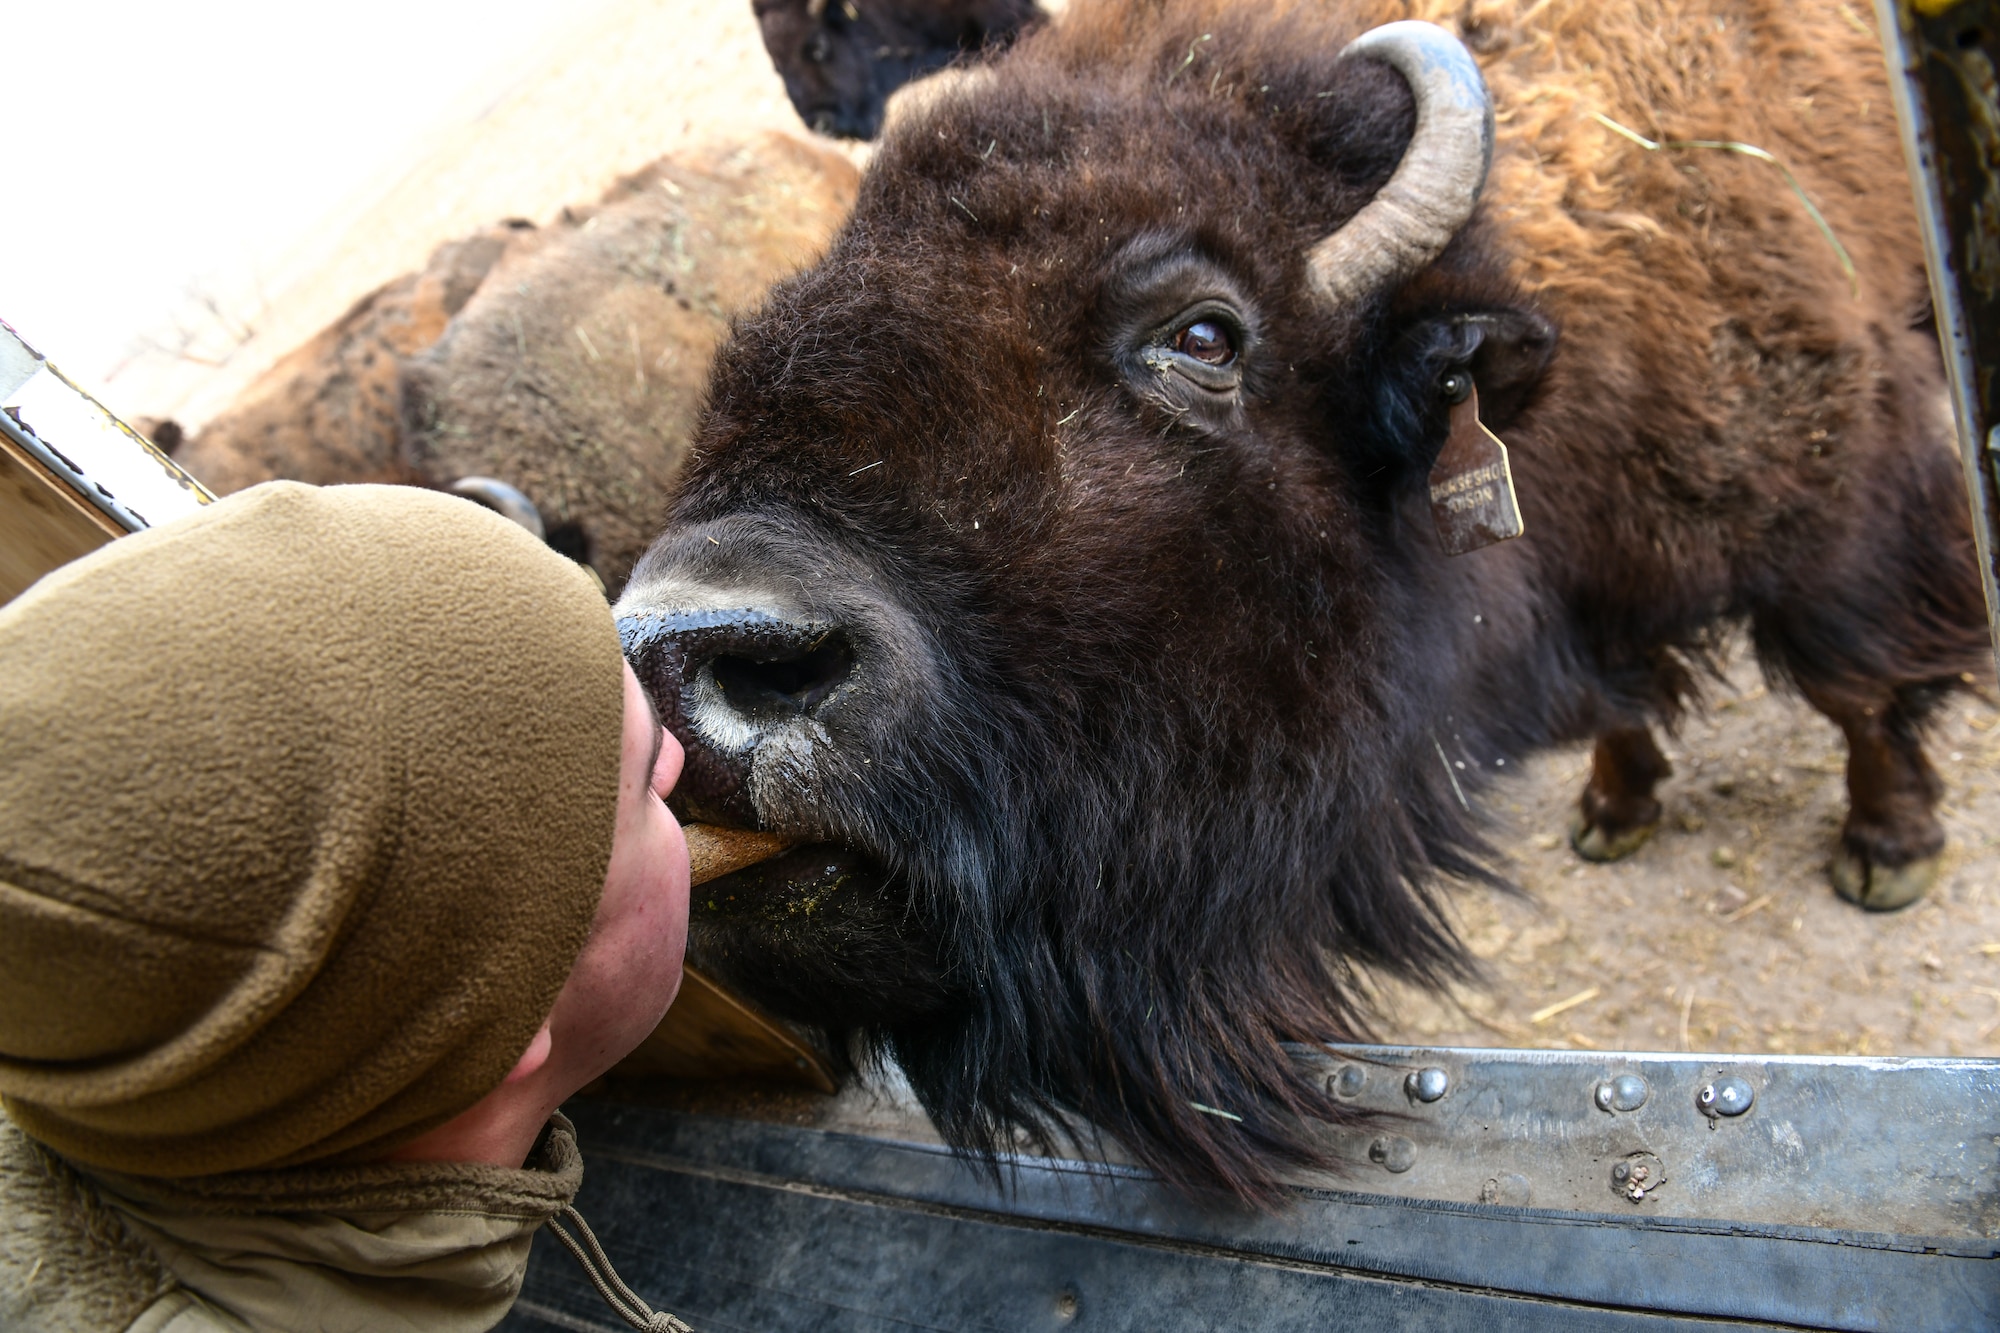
[(46, 523), (711, 1034)]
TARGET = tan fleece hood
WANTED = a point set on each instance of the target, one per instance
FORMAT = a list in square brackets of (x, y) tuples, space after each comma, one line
[(306, 803)]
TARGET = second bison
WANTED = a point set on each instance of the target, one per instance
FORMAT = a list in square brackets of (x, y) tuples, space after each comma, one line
[(1057, 558)]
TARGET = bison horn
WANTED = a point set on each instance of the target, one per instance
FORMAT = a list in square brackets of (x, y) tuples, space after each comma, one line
[(503, 500), (1436, 186)]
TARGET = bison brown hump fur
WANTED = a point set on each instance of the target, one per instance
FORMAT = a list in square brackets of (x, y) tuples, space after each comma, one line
[(1055, 558), (329, 411), (575, 371), (566, 360)]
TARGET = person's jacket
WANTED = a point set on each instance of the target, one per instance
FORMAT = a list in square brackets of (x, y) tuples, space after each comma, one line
[(438, 1247)]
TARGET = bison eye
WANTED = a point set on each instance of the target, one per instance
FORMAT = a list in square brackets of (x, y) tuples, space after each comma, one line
[(1185, 341), (1204, 345), (1207, 342), (818, 50)]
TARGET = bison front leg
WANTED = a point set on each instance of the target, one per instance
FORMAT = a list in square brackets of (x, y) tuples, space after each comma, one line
[(1891, 844), (1618, 811)]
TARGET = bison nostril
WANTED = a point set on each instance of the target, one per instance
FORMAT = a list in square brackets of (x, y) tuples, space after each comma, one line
[(786, 683)]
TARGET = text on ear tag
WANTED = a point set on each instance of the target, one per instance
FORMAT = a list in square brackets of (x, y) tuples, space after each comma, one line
[(1472, 488)]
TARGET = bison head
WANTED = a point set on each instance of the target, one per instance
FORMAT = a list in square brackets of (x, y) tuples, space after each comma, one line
[(1053, 561), (840, 59)]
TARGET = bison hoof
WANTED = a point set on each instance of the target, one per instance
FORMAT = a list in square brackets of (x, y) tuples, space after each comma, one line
[(1881, 888), (1594, 841)]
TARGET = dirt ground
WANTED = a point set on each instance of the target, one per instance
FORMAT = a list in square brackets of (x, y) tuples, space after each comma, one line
[(1722, 933)]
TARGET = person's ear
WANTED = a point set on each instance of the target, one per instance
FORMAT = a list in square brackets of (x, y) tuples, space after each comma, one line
[(533, 1058)]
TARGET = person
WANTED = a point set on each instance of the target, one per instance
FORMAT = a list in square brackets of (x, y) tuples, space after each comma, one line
[(332, 861)]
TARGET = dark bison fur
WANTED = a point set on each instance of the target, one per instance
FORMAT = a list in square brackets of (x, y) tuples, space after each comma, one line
[(841, 59), (1125, 718)]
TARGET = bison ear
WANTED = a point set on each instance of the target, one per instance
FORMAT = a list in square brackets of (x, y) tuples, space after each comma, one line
[(1505, 351)]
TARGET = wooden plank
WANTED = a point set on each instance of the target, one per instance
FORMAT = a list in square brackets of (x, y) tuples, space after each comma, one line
[(47, 524), (713, 1034)]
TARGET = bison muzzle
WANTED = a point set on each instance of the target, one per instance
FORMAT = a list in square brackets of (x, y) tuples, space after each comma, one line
[(1055, 559)]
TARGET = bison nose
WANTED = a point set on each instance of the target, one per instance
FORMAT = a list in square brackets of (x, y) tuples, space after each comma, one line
[(774, 682), (726, 682)]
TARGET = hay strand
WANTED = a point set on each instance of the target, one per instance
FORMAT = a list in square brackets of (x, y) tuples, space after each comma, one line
[(1548, 1011), (1762, 155), (1747, 909)]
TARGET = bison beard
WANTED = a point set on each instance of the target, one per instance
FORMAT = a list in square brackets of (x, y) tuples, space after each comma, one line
[(1055, 559)]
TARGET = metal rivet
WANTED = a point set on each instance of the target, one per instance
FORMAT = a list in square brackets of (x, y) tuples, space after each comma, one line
[(1627, 1092), (1426, 1085), (1066, 1305), (1347, 1083), (1511, 1190), (1393, 1152), (1638, 1177), (1725, 1096)]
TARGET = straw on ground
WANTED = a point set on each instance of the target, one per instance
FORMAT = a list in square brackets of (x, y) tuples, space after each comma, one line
[(1548, 1011)]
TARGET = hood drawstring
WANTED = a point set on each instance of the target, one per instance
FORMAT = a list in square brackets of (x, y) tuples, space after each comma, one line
[(590, 1257)]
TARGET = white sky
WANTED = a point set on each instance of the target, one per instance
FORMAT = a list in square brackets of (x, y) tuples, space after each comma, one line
[(150, 144)]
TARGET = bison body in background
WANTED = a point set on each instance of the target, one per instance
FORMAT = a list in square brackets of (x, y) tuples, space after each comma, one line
[(1056, 558), (330, 411), (841, 59), (574, 373), (565, 360)]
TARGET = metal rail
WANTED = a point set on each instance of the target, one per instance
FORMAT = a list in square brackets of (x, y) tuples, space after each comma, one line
[(1942, 58), (1533, 1189), (81, 444)]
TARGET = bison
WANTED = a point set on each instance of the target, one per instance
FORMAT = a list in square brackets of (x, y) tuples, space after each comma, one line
[(1056, 560), (563, 361), (840, 61), (328, 411)]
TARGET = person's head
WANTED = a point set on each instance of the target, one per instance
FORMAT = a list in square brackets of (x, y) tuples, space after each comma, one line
[(630, 968), (625, 977), (323, 814)]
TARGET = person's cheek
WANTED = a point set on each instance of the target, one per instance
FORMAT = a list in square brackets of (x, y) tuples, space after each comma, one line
[(674, 889), (667, 772), (671, 906)]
